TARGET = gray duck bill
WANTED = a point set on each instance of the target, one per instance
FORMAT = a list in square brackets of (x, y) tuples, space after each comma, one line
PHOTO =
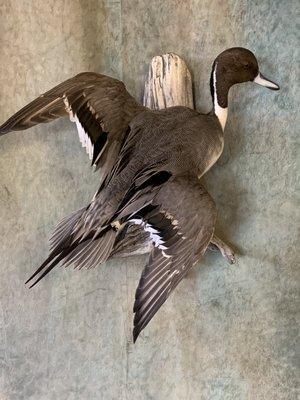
[(263, 81)]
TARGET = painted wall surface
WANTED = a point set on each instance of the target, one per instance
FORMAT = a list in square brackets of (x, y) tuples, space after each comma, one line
[(228, 332)]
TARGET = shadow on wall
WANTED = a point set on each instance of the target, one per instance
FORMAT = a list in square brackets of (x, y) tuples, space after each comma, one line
[(101, 24), (92, 27)]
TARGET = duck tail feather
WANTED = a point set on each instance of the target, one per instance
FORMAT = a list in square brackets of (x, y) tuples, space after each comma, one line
[(53, 259), (62, 235)]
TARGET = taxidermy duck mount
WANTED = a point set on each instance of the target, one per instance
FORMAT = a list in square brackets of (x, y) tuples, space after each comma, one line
[(168, 84), (151, 162)]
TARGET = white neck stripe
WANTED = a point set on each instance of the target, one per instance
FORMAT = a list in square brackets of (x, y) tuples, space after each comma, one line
[(220, 112)]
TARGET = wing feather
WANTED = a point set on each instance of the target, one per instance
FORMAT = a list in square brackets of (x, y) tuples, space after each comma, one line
[(184, 218), (99, 105)]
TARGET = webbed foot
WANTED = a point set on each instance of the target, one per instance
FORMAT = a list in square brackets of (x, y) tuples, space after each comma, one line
[(216, 244)]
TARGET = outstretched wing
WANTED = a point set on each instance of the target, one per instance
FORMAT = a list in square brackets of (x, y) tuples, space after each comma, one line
[(181, 223), (100, 106)]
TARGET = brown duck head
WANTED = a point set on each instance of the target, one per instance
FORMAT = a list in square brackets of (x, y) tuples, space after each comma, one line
[(232, 66)]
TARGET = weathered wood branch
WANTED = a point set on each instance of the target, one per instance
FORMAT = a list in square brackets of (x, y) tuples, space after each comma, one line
[(169, 83)]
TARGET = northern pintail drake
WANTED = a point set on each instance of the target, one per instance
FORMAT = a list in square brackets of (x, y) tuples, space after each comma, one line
[(151, 163)]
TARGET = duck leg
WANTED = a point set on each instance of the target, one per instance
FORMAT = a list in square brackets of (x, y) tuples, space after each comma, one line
[(217, 244)]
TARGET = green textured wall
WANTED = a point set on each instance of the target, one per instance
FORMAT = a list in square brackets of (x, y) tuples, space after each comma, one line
[(229, 332)]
